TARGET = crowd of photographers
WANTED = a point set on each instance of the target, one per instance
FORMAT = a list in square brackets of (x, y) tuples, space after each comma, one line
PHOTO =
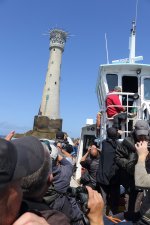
[(122, 174), (35, 181)]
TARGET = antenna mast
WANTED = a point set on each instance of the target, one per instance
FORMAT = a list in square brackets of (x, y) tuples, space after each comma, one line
[(132, 44), (136, 12), (106, 49), (133, 38)]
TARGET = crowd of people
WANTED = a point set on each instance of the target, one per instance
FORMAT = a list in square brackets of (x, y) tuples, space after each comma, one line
[(33, 186), (121, 170), (114, 187), (121, 173)]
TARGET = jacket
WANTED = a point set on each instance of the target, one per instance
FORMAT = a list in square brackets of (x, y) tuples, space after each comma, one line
[(57, 197), (112, 100), (63, 203), (108, 170), (126, 158), (62, 175), (142, 180), (91, 164)]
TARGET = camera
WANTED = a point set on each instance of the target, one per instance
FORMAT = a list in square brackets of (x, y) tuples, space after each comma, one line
[(81, 196), (148, 146)]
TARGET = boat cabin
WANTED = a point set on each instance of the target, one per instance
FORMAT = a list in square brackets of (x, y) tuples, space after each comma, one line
[(134, 79)]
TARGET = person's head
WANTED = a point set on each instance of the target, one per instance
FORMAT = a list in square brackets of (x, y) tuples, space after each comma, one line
[(59, 145), (141, 130), (35, 185), (76, 142), (135, 96), (94, 152), (69, 148), (59, 136), (112, 133), (117, 89), (10, 189), (16, 162), (65, 136)]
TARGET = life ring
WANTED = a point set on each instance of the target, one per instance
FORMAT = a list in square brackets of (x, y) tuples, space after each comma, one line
[(98, 120)]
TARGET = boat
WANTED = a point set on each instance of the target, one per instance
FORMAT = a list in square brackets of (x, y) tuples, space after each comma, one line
[(134, 80)]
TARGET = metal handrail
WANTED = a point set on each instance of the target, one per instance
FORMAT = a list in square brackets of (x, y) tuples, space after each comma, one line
[(127, 107)]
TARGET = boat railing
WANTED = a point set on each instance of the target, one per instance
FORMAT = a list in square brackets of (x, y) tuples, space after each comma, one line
[(132, 109)]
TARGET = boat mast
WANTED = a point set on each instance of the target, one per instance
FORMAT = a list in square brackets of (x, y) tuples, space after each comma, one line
[(132, 43)]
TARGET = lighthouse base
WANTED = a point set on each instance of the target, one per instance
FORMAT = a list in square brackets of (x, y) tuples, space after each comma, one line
[(44, 127), (44, 124)]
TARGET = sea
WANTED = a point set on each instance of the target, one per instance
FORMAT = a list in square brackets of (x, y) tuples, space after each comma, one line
[(2, 136)]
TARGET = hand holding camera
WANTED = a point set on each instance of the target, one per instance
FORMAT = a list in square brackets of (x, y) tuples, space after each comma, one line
[(142, 149), (90, 202), (95, 206)]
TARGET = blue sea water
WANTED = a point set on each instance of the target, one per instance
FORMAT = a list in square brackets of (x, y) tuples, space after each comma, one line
[(2, 136)]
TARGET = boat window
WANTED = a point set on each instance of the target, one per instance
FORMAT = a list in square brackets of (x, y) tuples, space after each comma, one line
[(147, 89), (112, 81), (130, 84)]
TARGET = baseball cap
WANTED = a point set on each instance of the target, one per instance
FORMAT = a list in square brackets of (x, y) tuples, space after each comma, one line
[(20, 158), (142, 127)]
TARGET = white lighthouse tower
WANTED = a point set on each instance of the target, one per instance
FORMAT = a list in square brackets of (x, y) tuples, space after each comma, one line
[(48, 120), (50, 105)]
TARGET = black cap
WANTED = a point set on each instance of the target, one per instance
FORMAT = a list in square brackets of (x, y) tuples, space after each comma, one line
[(8, 161), (20, 158)]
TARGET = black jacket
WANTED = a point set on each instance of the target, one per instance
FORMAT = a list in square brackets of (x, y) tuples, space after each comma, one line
[(91, 164), (63, 203), (126, 158), (108, 170)]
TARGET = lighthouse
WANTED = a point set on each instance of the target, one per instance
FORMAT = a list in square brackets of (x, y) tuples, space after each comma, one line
[(48, 120), (50, 105)]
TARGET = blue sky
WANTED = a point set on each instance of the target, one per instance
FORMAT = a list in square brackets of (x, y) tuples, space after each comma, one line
[(24, 54)]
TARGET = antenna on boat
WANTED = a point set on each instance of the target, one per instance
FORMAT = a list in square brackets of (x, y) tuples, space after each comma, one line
[(133, 37), (136, 12), (132, 43), (106, 48)]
